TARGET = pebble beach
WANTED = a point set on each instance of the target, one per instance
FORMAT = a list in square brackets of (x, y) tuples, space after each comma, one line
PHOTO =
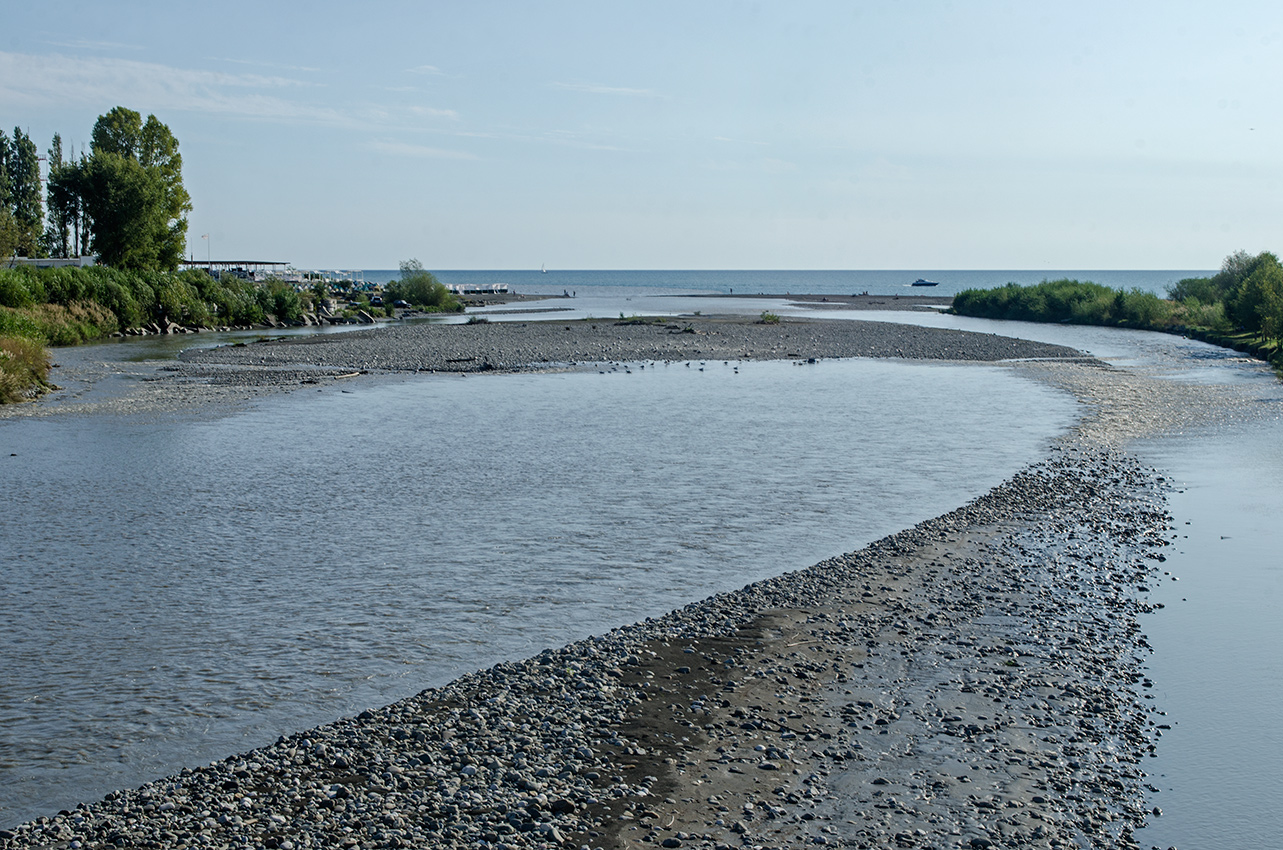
[(974, 681)]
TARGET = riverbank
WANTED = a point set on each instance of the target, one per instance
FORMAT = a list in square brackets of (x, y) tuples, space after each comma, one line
[(969, 680), (1047, 566)]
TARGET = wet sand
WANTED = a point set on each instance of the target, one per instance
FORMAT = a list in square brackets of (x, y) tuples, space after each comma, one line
[(972, 682)]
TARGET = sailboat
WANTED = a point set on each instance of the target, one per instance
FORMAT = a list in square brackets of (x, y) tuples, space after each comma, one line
[(543, 268)]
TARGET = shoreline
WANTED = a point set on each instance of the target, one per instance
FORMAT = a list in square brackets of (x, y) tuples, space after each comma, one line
[(861, 301), (921, 683), (619, 734), (239, 373)]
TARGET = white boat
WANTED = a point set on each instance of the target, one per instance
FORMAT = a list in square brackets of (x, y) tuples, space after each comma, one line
[(543, 269)]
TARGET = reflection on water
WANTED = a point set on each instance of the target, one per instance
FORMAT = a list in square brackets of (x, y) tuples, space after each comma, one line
[(177, 591), (1216, 662)]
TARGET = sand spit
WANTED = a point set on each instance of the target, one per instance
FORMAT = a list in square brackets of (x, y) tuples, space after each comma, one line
[(971, 682)]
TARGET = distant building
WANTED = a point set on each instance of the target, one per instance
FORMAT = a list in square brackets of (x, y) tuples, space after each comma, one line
[(52, 262)]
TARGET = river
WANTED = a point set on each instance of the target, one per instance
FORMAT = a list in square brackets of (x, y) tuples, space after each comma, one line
[(183, 587)]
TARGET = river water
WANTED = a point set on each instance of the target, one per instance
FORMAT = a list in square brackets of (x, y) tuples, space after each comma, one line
[(179, 588)]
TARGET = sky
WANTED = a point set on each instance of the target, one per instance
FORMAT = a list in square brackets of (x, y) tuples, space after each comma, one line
[(686, 135)]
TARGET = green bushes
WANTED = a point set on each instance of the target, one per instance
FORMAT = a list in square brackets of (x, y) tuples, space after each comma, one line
[(24, 368), (1240, 307), (422, 289), (134, 299), (1080, 302), (54, 324)]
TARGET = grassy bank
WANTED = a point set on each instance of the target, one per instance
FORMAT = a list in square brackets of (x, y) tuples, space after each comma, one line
[(68, 306), (1241, 307), (24, 369)]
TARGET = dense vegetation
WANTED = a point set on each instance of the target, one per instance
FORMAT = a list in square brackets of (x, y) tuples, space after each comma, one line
[(123, 199), (422, 289), (69, 305), (116, 299), (1241, 306)]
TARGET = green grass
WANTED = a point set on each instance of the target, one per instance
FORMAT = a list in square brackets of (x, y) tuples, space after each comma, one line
[(24, 369), (768, 319)]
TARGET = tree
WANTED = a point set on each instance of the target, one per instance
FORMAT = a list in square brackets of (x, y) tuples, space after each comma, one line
[(8, 227), (1257, 305), (422, 289), (132, 189), (23, 167), (8, 234), (61, 205), (5, 197)]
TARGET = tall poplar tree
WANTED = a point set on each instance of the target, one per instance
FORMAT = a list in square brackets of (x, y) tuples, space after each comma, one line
[(8, 227), (59, 204), (23, 167)]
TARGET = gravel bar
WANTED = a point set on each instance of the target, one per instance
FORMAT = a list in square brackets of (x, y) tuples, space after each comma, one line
[(970, 682), (520, 346), (975, 681)]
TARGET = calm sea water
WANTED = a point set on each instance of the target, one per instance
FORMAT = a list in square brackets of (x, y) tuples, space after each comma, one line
[(775, 282), (178, 590)]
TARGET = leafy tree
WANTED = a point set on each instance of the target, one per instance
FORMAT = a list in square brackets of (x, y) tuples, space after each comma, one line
[(1257, 303), (132, 189), (422, 289), (60, 204), (8, 227), (23, 167), (8, 234), (5, 195)]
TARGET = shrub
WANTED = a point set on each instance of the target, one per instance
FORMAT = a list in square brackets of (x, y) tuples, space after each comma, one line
[(1257, 302), (54, 324), (768, 318), (24, 369), (423, 290), (13, 290)]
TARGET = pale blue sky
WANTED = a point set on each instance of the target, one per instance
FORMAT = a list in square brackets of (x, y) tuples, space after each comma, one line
[(694, 135)]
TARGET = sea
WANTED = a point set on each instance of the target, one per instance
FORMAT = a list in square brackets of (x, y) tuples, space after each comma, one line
[(776, 282), (178, 588)]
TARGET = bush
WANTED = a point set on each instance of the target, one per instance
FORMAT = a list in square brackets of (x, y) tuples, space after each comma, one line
[(422, 289), (1257, 302), (54, 324), (768, 318), (13, 289), (280, 299), (24, 369)]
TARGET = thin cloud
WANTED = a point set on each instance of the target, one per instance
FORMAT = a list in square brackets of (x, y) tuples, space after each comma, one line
[(598, 89), (431, 70), (430, 112), (741, 141), (86, 44), (29, 81), (418, 151), (259, 64)]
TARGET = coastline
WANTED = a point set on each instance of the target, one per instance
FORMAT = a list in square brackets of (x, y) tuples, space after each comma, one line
[(454, 765)]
